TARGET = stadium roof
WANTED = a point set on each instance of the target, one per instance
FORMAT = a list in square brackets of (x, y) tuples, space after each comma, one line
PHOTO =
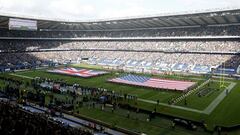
[(220, 17)]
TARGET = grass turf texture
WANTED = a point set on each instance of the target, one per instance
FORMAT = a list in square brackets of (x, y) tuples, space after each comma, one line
[(200, 103), (220, 116), (100, 81), (144, 93), (156, 127), (136, 122), (2, 84)]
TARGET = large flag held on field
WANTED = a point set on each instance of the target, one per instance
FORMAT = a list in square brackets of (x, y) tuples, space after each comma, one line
[(153, 82), (78, 72)]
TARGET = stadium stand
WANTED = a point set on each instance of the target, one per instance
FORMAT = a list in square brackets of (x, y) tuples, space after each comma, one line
[(195, 43), (168, 46)]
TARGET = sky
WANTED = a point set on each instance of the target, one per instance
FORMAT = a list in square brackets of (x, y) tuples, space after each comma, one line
[(107, 9)]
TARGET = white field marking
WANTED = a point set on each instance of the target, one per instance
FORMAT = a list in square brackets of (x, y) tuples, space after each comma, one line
[(23, 76)]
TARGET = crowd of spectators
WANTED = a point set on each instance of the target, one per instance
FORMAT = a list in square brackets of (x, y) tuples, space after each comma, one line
[(230, 30), (186, 46), (204, 52), (168, 51), (223, 46), (171, 58), (15, 121)]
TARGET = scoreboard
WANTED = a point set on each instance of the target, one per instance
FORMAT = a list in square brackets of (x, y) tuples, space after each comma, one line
[(22, 24)]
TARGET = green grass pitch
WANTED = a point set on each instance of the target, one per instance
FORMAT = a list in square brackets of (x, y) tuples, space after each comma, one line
[(225, 114)]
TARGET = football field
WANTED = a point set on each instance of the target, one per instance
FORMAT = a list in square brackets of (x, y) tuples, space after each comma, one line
[(208, 102)]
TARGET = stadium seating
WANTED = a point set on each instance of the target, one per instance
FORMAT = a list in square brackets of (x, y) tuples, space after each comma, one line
[(168, 46), (195, 56)]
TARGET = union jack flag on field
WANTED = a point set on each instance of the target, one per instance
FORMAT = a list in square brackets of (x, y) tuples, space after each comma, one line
[(78, 72)]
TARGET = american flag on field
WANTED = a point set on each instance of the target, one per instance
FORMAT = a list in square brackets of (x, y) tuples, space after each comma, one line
[(78, 72), (153, 82)]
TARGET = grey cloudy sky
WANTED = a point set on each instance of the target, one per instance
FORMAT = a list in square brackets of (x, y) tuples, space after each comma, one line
[(102, 9)]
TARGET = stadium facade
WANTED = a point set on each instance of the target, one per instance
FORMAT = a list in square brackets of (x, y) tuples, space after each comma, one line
[(194, 19)]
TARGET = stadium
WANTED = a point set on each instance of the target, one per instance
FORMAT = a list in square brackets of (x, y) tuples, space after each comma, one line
[(167, 74)]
